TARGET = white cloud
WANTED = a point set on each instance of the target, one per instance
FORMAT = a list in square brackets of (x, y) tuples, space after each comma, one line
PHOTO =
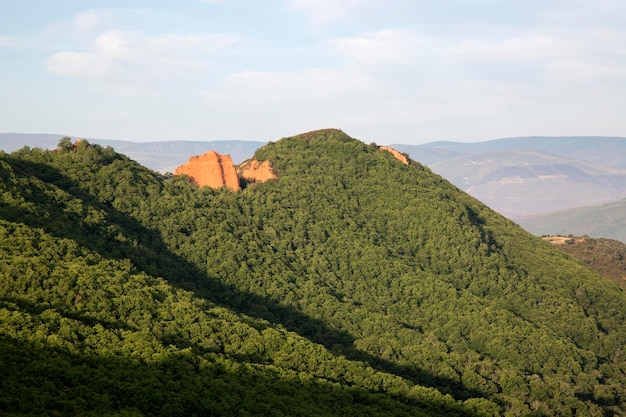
[(89, 20), (583, 13), (403, 69), (306, 86), (553, 53), (140, 62), (327, 11), (11, 42), (580, 70), (389, 46), (517, 49)]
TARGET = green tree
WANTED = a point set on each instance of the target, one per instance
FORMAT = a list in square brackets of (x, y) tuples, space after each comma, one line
[(65, 144)]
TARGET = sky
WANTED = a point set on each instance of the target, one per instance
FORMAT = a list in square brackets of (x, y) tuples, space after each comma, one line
[(392, 71)]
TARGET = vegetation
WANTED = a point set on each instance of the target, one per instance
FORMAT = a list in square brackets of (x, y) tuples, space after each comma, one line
[(606, 256), (351, 285)]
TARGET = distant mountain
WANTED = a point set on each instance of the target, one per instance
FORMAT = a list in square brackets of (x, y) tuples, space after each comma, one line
[(606, 220), (163, 156), (606, 256), (526, 176), (602, 150), (353, 283)]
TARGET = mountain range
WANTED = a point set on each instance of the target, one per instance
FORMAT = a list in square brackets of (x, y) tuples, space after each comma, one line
[(601, 221), (352, 283), (162, 156), (529, 176)]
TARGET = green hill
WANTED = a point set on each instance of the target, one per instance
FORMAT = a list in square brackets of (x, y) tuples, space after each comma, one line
[(351, 285)]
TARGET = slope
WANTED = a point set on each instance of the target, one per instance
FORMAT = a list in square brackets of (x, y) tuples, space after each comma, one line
[(98, 316), (389, 277), (607, 256), (602, 221)]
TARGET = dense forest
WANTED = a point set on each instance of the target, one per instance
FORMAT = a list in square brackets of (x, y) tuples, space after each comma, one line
[(351, 285)]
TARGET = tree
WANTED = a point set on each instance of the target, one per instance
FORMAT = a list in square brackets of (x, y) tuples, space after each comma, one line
[(65, 143)]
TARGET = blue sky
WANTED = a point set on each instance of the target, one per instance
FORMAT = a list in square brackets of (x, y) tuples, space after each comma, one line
[(392, 71)]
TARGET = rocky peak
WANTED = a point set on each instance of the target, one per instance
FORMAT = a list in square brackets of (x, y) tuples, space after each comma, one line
[(211, 169), (216, 170)]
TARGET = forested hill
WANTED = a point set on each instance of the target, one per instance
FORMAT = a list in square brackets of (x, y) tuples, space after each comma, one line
[(352, 284)]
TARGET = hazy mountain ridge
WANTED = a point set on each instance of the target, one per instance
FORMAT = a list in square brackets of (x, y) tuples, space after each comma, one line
[(602, 221), (604, 150), (163, 156), (526, 176), (351, 270)]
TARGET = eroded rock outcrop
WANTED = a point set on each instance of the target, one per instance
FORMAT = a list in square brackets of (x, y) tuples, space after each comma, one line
[(396, 154), (211, 169), (255, 171)]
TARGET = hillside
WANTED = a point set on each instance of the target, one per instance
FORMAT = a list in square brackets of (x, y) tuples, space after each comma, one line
[(602, 221), (352, 284), (520, 177), (607, 256)]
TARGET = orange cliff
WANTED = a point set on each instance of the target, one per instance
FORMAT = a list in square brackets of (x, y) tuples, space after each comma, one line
[(211, 169), (396, 154), (255, 171)]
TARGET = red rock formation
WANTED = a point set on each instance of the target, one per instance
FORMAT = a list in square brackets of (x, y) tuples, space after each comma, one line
[(255, 171), (211, 169), (396, 154)]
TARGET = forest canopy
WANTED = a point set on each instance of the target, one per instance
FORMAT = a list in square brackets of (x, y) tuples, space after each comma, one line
[(352, 284)]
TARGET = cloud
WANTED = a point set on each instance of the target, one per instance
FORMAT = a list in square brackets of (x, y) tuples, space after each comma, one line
[(12, 42), (90, 20), (326, 11), (583, 13), (280, 87), (137, 61), (556, 53), (586, 70), (517, 49), (409, 69), (389, 46)]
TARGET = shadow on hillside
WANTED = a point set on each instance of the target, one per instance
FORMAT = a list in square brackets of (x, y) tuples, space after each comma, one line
[(151, 255), (45, 381)]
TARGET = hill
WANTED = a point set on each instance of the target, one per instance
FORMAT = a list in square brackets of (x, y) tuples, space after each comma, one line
[(603, 221), (352, 284), (607, 256), (520, 177)]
